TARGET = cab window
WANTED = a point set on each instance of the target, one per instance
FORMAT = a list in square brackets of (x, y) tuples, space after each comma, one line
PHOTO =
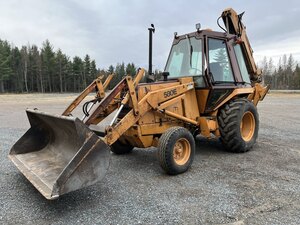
[(185, 58), (218, 59), (242, 64)]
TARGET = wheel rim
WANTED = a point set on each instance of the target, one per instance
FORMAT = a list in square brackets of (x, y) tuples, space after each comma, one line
[(247, 126), (181, 151)]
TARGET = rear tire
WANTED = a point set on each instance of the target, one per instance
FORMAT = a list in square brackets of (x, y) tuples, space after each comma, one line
[(119, 148), (176, 150), (238, 125)]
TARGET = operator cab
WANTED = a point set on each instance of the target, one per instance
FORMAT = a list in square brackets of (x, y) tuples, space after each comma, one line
[(213, 59), (208, 57)]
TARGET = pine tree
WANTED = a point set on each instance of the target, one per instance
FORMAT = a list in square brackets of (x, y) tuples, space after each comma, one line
[(130, 69), (59, 59), (271, 66), (111, 69), (222, 58), (289, 70), (77, 73), (87, 70), (265, 66), (16, 79), (297, 77), (94, 70), (69, 87), (5, 61), (120, 73), (48, 64), (25, 62), (280, 77)]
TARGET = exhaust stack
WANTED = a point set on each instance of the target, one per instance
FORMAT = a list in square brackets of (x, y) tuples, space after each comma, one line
[(151, 32)]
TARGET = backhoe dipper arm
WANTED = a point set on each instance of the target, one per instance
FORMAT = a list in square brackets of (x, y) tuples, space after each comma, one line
[(234, 25)]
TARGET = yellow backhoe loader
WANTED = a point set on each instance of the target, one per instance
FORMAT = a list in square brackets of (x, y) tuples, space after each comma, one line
[(210, 86)]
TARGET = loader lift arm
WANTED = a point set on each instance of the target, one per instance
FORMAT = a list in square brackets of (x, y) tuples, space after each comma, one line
[(154, 100), (126, 82), (95, 85)]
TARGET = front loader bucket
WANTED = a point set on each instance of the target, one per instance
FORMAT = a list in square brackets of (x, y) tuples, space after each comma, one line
[(59, 154)]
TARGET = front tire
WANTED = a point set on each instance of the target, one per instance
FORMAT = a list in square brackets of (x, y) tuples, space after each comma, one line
[(176, 150), (238, 125)]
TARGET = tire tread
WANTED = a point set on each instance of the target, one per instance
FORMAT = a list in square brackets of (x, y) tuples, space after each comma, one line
[(229, 125)]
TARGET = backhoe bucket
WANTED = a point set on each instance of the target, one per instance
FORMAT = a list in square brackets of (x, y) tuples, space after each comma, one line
[(60, 154)]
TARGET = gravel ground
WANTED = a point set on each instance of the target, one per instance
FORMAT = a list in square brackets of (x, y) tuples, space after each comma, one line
[(258, 187)]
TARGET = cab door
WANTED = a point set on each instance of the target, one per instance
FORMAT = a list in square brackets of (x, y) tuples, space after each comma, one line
[(220, 73)]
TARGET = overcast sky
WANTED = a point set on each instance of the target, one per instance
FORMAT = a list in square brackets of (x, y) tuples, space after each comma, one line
[(113, 31)]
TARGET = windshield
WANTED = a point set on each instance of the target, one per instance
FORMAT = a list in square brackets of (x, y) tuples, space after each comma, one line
[(185, 58)]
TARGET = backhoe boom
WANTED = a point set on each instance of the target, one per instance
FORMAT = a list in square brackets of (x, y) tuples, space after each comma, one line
[(234, 25)]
